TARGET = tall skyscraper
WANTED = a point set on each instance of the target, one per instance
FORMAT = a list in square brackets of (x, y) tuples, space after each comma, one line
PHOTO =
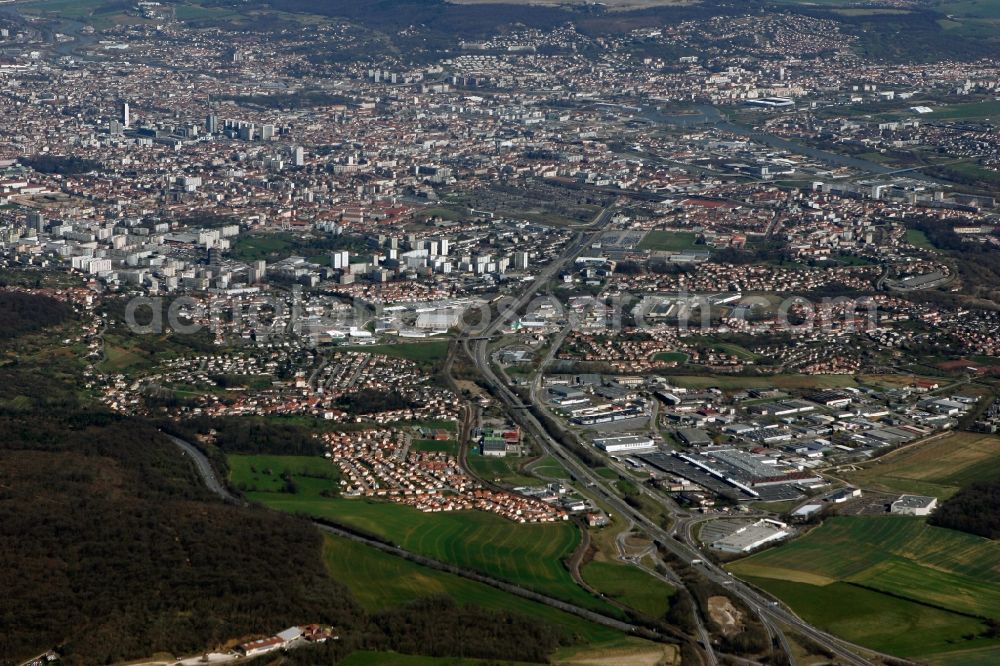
[(340, 259), (212, 123), (257, 272), (125, 118), (299, 156), (36, 221)]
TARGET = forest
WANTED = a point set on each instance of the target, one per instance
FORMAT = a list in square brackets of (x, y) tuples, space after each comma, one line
[(24, 313), (121, 553), (369, 401), (974, 509)]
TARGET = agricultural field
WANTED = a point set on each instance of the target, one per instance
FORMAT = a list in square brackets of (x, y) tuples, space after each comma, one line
[(939, 467), (630, 586), (669, 241), (612, 5), (876, 620), (368, 658), (629, 650), (928, 586), (267, 474), (625, 650), (530, 555), (380, 581)]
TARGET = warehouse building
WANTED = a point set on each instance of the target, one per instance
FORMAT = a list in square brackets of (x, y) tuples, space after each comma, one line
[(913, 505), (752, 537), (622, 443)]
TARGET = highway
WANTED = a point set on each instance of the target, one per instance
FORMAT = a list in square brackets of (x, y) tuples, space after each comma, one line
[(772, 614), (476, 344)]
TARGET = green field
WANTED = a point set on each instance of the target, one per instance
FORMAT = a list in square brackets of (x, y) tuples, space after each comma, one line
[(919, 239), (75, 9), (449, 446), (265, 474), (630, 586), (733, 382), (432, 351), (550, 467), (366, 658), (876, 620), (671, 357), (970, 175), (380, 581), (502, 470), (939, 582), (669, 241), (974, 110), (530, 555), (119, 359), (938, 468)]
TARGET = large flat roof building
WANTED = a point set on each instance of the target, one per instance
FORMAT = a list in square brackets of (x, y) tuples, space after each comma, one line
[(913, 505), (752, 537), (624, 443)]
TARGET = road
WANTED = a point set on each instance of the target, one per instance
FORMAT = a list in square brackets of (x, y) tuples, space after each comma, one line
[(204, 468), (478, 349), (212, 482), (772, 614)]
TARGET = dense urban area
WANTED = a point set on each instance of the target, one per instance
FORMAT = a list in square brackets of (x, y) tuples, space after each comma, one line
[(451, 333)]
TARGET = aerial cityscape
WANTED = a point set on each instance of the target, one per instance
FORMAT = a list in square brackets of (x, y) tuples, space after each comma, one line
[(482, 332)]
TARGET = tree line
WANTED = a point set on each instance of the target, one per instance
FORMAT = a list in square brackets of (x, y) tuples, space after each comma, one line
[(974, 509)]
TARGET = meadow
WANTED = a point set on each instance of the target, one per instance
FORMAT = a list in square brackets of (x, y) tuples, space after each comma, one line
[(499, 470), (630, 586), (550, 467), (875, 620), (919, 239), (972, 111), (379, 581), (529, 555), (368, 658), (265, 474), (938, 468), (928, 586)]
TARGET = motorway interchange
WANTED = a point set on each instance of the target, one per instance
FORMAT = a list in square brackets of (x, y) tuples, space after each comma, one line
[(776, 618)]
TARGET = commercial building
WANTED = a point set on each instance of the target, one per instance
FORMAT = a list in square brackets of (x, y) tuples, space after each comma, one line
[(624, 443), (694, 437), (752, 537), (913, 505)]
